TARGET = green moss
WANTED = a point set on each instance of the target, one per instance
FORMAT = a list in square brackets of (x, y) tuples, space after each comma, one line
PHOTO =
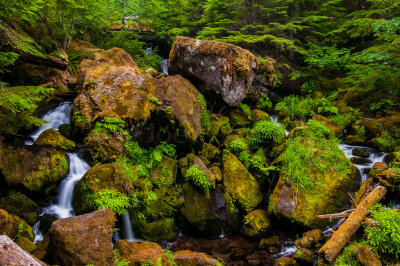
[(198, 178), (162, 229), (19, 204), (53, 138), (205, 115)]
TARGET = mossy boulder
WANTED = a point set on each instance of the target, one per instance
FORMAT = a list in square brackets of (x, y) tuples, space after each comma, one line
[(14, 226), (393, 158), (168, 202), (239, 118), (208, 214), (285, 261), (86, 49), (140, 252), (304, 256), (32, 167), (41, 251), (240, 184), (256, 224), (272, 241), (192, 160), (210, 152), (189, 258), (220, 126), (98, 178), (53, 138), (326, 176), (221, 68), (19, 204), (360, 152), (105, 147), (164, 175), (161, 229), (26, 244), (310, 239), (258, 115)]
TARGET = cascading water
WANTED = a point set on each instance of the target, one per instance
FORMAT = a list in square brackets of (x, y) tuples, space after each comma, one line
[(164, 66), (77, 168), (127, 228), (148, 50), (274, 118)]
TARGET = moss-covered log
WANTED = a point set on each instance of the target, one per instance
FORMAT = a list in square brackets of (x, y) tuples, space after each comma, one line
[(339, 239)]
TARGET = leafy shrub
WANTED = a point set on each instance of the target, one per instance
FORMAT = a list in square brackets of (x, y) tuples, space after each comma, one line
[(385, 236), (265, 131), (198, 178), (387, 142), (17, 105), (264, 103), (112, 199)]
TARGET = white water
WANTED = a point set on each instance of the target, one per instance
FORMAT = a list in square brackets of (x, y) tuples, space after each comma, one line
[(148, 50), (274, 118), (374, 157), (164, 66), (77, 168), (287, 250), (55, 118), (127, 228)]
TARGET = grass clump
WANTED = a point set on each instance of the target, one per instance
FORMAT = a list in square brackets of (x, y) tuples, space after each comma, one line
[(198, 178), (265, 131), (385, 236)]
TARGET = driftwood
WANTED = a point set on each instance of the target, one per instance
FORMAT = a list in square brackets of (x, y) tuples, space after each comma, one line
[(333, 216), (339, 239)]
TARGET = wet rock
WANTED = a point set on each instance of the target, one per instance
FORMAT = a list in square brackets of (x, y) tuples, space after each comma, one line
[(164, 175), (264, 78), (113, 85), (377, 169), (360, 153), (240, 184), (14, 226), (19, 204), (32, 167), (139, 252), (161, 229), (188, 258), (192, 160), (217, 172), (367, 257), (239, 118), (285, 261), (259, 115), (97, 178), (41, 251), (355, 140), (219, 127), (84, 239), (53, 138), (167, 204), (358, 160), (210, 152), (12, 254), (26, 244), (207, 214), (221, 68), (304, 256), (256, 224), (310, 239), (272, 241), (46, 220), (66, 130)]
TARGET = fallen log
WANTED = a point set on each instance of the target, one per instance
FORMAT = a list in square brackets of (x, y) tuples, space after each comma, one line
[(12, 254), (339, 239)]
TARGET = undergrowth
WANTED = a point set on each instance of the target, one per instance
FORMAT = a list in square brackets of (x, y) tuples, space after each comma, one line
[(198, 178)]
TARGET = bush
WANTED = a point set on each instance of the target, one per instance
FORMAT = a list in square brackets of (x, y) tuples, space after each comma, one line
[(265, 131), (198, 178), (112, 199), (385, 236)]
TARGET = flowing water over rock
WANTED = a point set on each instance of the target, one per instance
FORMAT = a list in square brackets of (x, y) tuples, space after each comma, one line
[(164, 66), (274, 118)]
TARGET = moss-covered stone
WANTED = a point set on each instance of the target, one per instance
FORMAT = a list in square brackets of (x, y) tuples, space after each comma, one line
[(84, 48), (140, 252), (190, 258), (210, 152), (285, 261), (19, 204), (359, 160), (256, 224), (304, 256), (168, 202), (217, 173), (41, 251), (33, 167), (360, 152), (14, 226), (26, 244), (105, 147), (310, 239), (161, 229), (393, 158), (164, 175), (53, 138), (240, 184), (97, 178), (192, 160), (220, 125), (239, 119), (272, 241), (258, 115)]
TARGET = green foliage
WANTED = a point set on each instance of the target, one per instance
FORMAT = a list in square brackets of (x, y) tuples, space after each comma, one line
[(7, 59), (265, 131), (388, 141), (155, 101), (112, 199), (198, 178), (205, 114), (117, 260), (264, 103), (385, 236), (309, 87), (17, 105), (246, 110), (348, 257), (73, 62)]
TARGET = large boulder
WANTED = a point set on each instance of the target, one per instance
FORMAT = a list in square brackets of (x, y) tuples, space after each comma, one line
[(208, 215), (222, 68), (12, 254), (140, 252), (240, 184), (53, 138), (14, 226), (256, 224), (84, 239), (112, 85), (189, 258), (19, 204), (32, 167)]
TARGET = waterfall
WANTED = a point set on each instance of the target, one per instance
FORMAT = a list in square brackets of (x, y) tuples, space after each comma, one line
[(148, 50), (164, 66), (274, 119), (127, 227)]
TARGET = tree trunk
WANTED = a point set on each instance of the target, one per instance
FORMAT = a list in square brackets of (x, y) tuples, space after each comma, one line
[(339, 239)]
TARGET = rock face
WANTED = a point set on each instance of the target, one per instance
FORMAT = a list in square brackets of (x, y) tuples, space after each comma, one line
[(33, 167), (12, 254), (139, 252), (225, 69), (53, 138), (84, 239), (112, 85), (240, 184), (14, 227), (188, 258)]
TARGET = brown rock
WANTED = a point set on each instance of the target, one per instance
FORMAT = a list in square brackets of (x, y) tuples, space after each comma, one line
[(190, 258), (84, 239), (222, 68), (41, 251), (14, 227), (309, 239), (367, 257), (304, 256), (272, 241), (256, 224), (140, 252), (26, 244), (12, 254), (285, 261)]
